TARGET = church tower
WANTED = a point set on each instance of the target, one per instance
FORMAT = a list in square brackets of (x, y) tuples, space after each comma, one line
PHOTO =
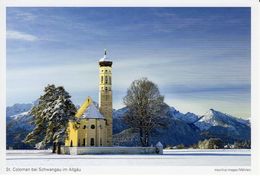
[(105, 95)]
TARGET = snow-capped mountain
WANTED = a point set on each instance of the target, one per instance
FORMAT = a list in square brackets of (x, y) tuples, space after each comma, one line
[(119, 113), (180, 129), (171, 112), (183, 128), (18, 124), (215, 124), (16, 109), (21, 120), (18, 116), (119, 125), (217, 118), (187, 117)]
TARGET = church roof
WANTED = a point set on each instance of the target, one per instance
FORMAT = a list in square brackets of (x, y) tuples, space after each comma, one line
[(92, 112)]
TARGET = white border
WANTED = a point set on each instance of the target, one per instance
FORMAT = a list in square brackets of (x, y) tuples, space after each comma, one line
[(255, 67), (2, 86), (130, 3), (255, 87)]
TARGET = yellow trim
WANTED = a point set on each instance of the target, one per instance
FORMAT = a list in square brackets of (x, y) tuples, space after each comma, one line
[(83, 107)]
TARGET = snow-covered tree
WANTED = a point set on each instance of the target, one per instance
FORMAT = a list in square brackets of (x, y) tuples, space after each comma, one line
[(50, 117), (146, 109), (40, 113)]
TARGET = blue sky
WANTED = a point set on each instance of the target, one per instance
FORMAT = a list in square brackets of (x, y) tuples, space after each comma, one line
[(199, 57)]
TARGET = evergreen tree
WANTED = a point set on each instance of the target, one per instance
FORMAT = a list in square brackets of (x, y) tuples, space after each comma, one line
[(40, 114), (50, 117)]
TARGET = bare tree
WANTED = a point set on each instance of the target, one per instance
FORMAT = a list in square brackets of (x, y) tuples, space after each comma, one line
[(145, 108)]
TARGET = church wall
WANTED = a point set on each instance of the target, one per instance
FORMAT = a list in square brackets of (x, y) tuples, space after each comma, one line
[(82, 133), (86, 132), (72, 135), (92, 132)]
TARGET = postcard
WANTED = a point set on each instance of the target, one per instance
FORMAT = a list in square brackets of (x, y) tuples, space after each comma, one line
[(112, 89)]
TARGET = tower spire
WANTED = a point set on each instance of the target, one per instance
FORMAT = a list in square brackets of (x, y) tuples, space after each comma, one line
[(105, 58), (104, 61)]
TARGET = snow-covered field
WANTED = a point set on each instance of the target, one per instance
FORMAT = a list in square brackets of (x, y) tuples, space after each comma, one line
[(187, 157)]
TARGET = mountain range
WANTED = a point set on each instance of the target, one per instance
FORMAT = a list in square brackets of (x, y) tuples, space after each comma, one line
[(183, 128)]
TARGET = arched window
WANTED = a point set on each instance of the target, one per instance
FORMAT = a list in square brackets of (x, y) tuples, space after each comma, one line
[(92, 142), (105, 88), (84, 127), (106, 79), (102, 79), (71, 143), (92, 127)]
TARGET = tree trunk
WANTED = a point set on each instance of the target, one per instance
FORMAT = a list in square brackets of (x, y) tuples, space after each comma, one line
[(141, 137), (59, 148), (146, 139), (54, 147)]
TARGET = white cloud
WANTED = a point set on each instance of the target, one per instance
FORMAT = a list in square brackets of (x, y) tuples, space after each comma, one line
[(17, 35), (26, 16)]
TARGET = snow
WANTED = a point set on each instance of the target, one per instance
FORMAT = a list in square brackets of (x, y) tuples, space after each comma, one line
[(243, 121), (188, 117), (92, 112), (21, 115), (17, 108), (120, 113), (159, 144), (21, 120), (103, 58), (216, 118), (182, 157)]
